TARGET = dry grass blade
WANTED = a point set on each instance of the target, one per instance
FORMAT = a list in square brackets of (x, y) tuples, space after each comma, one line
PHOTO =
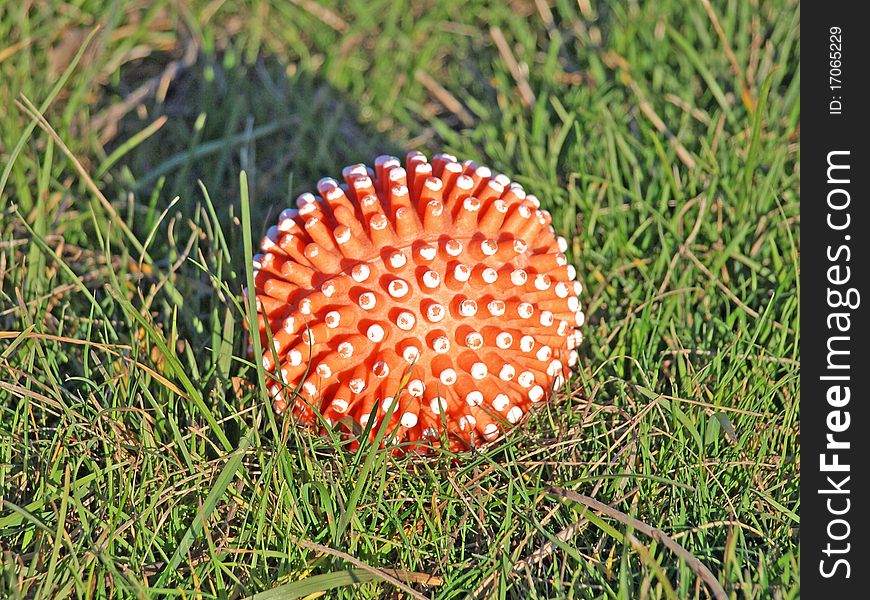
[(729, 52), (650, 113), (618, 63), (381, 573), (526, 93), (696, 565), (324, 14), (10, 51), (444, 96), (27, 107)]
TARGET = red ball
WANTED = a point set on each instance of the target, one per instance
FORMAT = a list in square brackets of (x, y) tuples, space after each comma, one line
[(437, 294)]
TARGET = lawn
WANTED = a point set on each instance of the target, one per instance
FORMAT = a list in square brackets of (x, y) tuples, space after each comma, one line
[(139, 458)]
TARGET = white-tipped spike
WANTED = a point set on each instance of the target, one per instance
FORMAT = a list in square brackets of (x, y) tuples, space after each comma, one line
[(500, 402), (290, 324), (496, 308), (467, 422), (554, 368), (572, 358), (381, 369), (507, 373), (416, 388), (271, 239), (398, 259), (411, 354), (483, 172), (468, 308), (474, 398), (428, 253), (409, 420), (542, 282), (332, 319), (435, 312), (367, 301), (375, 333), (447, 376), (360, 272), (398, 288), (474, 340), (438, 405), (515, 414), (378, 222), (572, 341), (525, 310), (431, 279), (358, 170), (295, 358), (519, 277), (406, 321), (286, 221), (362, 182), (536, 394), (441, 344), (453, 247), (526, 379), (527, 343), (397, 173), (504, 340), (479, 370)]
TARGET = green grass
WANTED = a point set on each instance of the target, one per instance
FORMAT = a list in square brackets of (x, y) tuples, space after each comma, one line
[(137, 454)]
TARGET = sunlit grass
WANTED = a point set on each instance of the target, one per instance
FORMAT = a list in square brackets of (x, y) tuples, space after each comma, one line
[(138, 456)]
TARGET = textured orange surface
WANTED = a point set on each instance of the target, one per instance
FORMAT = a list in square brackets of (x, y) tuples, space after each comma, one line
[(439, 288)]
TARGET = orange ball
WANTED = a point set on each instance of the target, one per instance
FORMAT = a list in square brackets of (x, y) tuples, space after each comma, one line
[(436, 294)]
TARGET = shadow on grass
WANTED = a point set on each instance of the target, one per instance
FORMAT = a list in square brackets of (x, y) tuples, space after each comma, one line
[(286, 129)]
